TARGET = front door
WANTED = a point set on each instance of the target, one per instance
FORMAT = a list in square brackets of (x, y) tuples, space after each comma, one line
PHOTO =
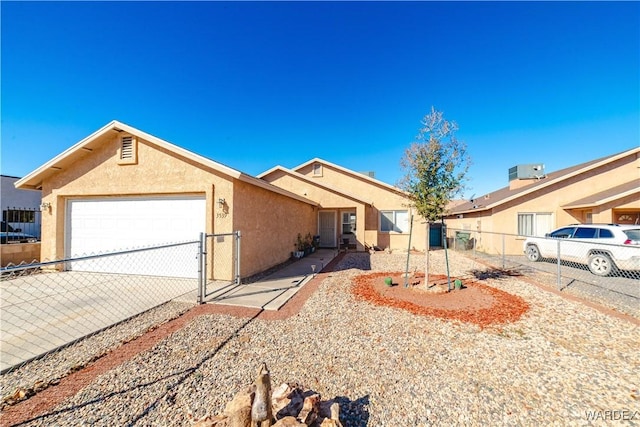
[(327, 221)]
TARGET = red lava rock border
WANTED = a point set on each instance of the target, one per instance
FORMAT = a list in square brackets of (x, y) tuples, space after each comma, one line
[(505, 309)]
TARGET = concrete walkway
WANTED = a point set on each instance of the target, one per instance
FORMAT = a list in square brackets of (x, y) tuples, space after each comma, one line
[(273, 291)]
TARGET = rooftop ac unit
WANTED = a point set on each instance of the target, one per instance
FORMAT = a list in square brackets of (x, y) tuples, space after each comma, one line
[(529, 171)]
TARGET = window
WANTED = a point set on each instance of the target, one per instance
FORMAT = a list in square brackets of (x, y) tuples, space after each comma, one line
[(585, 233), (397, 221), (317, 169), (563, 233), (128, 153), (605, 233), (588, 217), (534, 224), (348, 223)]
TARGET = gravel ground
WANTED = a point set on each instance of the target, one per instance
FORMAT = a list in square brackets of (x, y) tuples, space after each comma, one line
[(385, 366), (48, 370)]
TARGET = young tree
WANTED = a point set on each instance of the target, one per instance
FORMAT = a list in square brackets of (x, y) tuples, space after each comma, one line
[(435, 166)]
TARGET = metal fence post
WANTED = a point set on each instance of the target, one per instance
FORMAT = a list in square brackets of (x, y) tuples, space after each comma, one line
[(504, 254), (559, 269), (237, 256), (201, 267), (475, 243)]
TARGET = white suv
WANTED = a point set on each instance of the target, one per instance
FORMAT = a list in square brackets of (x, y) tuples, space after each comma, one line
[(604, 248)]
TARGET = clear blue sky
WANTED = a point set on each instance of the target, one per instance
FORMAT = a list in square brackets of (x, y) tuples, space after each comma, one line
[(256, 84)]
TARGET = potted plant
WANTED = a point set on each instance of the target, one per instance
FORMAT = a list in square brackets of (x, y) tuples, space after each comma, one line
[(308, 244), (299, 245), (388, 281)]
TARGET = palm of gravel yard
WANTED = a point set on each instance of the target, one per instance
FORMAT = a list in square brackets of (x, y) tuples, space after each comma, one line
[(475, 303)]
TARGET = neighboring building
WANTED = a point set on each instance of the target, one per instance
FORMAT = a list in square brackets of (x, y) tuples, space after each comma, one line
[(605, 190), (353, 207), (20, 208), (121, 188)]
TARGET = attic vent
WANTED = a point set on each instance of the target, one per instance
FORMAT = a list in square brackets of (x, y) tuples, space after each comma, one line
[(126, 151), (317, 169)]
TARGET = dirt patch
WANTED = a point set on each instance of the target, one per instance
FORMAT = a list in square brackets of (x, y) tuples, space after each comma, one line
[(474, 303)]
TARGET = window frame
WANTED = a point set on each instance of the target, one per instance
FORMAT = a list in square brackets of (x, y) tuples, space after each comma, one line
[(534, 223), (351, 222), (395, 221)]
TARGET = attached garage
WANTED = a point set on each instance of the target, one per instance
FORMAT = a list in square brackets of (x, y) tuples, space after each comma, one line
[(116, 224), (105, 225)]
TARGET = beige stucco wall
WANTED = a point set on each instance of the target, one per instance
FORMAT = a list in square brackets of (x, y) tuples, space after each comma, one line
[(270, 224), (504, 218), (157, 172), (100, 175), (368, 199), (327, 201)]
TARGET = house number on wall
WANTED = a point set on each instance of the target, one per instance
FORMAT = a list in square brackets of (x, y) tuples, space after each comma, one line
[(221, 215)]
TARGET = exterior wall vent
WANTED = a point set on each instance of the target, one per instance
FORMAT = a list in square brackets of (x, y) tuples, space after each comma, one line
[(127, 148), (128, 151)]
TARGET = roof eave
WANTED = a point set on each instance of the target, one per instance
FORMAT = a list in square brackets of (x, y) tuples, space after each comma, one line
[(350, 172), (600, 202), (34, 179), (302, 177), (263, 184), (528, 190), (27, 182)]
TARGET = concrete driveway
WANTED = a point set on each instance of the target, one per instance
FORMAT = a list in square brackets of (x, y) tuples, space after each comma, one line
[(43, 311)]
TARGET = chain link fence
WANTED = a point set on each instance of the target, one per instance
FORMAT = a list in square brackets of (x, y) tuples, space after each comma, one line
[(219, 269), (605, 273), (51, 305)]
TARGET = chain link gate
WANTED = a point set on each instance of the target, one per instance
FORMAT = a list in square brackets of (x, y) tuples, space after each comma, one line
[(219, 261)]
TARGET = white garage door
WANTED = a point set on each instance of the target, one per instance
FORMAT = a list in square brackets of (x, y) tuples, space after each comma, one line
[(108, 225)]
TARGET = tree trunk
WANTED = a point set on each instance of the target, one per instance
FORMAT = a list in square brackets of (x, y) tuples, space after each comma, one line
[(426, 255)]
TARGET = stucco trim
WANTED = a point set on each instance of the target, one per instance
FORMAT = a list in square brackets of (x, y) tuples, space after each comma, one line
[(274, 188), (316, 183), (343, 170)]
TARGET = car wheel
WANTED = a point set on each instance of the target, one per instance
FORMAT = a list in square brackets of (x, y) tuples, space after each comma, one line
[(600, 265), (533, 254)]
